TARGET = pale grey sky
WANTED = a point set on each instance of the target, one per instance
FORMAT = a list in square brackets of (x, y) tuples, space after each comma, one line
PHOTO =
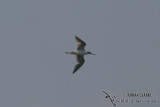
[(35, 71)]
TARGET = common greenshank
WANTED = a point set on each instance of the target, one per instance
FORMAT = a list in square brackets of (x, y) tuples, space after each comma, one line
[(79, 52)]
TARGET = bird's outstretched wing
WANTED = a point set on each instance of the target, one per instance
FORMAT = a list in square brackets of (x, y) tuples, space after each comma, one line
[(80, 60), (81, 43)]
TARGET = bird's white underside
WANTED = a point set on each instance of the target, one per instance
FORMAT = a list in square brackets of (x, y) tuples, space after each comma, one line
[(79, 52)]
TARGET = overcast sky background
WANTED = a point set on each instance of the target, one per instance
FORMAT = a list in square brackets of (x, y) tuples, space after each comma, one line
[(35, 71)]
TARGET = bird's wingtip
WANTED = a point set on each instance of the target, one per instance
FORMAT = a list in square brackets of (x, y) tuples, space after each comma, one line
[(73, 72)]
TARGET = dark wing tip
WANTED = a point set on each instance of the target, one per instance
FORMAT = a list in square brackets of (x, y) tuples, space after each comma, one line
[(77, 66), (77, 38), (73, 72), (75, 69), (80, 40)]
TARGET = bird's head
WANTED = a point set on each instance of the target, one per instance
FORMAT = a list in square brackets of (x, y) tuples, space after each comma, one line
[(88, 52)]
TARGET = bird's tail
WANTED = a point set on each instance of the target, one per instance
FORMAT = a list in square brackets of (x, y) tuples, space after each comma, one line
[(70, 52), (67, 52)]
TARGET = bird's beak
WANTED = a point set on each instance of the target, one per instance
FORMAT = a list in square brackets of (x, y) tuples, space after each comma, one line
[(92, 54)]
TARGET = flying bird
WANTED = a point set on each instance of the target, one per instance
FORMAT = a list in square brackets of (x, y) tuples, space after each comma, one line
[(79, 52)]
